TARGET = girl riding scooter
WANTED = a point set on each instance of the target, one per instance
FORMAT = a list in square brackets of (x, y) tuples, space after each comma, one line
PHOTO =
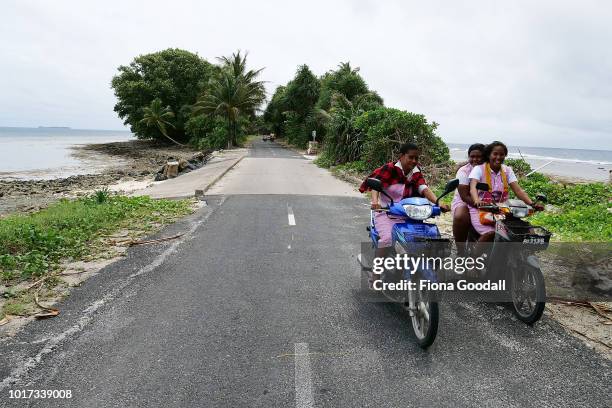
[(499, 177), (462, 198), (399, 179)]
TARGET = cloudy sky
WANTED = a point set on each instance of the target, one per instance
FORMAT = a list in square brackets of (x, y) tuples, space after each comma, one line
[(534, 73)]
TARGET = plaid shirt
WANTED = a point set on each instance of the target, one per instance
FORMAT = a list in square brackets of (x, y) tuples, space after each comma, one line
[(390, 174)]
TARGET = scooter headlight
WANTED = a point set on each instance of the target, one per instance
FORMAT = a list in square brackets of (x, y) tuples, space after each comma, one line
[(520, 212), (418, 212)]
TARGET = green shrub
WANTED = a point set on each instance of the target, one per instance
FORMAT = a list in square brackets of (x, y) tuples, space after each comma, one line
[(101, 196), (324, 161), (343, 142), (208, 133), (386, 129), (587, 223), (582, 209), (559, 194), (520, 166), (296, 131), (357, 166)]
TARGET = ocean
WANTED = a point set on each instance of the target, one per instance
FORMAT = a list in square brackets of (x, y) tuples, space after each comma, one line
[(570, 163), (40, 153)]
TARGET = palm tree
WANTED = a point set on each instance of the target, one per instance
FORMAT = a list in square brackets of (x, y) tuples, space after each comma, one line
[(159, 117), (233, 93)]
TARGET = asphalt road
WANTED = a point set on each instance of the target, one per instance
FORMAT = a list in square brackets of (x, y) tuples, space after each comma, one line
[(249, 310)]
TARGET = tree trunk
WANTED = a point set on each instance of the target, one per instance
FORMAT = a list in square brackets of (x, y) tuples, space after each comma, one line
[(166, 134), (234, 141), (229, 131)]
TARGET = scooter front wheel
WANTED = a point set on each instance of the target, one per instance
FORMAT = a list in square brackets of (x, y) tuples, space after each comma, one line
[(528, 294), (424, 315)]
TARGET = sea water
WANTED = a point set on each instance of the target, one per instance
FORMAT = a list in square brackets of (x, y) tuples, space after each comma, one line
[(30, 153), (569, 163)]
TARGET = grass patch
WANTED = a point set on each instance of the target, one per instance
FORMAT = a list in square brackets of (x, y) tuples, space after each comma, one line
[(18, 304), (438, 189), (14, 309), (32, 245), (358, 167), (581, 210), (589, 223), (244, 141), (323, 161)]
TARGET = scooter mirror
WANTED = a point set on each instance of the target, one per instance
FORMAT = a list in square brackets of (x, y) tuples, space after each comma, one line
[(375, 184), (451, 185), (482, 186)]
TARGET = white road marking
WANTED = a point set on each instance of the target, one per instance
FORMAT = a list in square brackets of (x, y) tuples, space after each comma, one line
[(290, 215), (304, 397)]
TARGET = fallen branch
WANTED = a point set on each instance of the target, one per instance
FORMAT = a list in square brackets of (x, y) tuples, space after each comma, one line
[(582, 303), (569, 302), (153, 241), (37, 282), (599, 311), (72, 273), (50, 311)]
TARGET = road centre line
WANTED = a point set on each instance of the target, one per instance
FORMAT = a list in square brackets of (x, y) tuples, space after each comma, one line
[(290, 215), (304, 397)]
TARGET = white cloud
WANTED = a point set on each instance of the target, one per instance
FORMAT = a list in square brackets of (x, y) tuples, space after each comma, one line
[(529, 73)]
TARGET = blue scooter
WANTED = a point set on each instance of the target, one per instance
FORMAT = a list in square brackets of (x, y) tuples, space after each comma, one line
[(413, 237)]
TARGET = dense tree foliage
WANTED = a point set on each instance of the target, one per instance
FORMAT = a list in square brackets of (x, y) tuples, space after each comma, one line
[(159, 117), (350, 119), (294, 106), (346, 81), (174, 95), (207, 132), (344, 142), (386, 129), (234, 94), (302, 93), (175, 77), (273, 115)]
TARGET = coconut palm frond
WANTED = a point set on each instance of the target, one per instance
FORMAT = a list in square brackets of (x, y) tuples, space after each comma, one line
[(234, 93), (157, 116)]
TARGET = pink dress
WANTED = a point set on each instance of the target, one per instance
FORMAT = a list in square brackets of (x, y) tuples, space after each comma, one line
[(463, 175), (382, 221), (497, 190)]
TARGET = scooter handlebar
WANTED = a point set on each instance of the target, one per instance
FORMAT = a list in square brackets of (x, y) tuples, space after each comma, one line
[(489, 207)]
